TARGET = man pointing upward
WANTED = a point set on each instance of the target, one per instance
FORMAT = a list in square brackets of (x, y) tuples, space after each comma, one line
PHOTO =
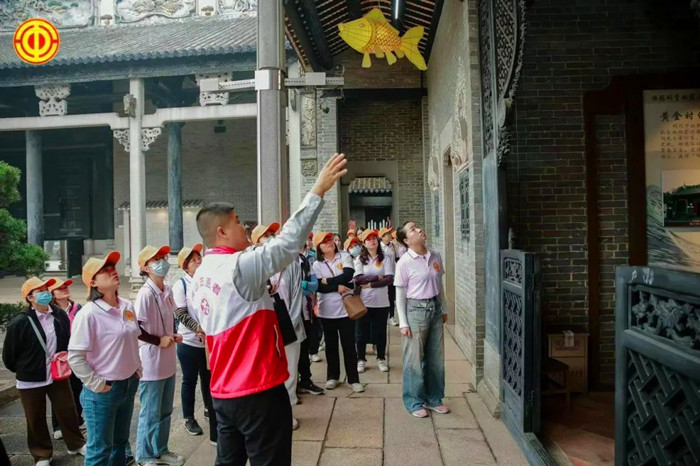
[(247, 358)]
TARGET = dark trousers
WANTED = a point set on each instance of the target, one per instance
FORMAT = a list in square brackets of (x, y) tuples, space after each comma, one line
[(343, 329), (256, 427), (372, 327), (76, 386), (392, 300), (34, 404), (314, 335), (193, 361), (304, 366)]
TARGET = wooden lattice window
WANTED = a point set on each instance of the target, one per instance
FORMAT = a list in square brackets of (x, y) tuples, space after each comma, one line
[(464, 204)]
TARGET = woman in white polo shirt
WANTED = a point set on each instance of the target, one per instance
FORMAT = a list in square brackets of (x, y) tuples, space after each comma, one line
[(103, 353), (334, 272), (374, 271), (191, 353), (419, 303), (155, 311)]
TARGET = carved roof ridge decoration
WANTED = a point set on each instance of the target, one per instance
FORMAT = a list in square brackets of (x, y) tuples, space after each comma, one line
[(194, 37), (62, 13), (370, 185), (130, 11), (163, 203)]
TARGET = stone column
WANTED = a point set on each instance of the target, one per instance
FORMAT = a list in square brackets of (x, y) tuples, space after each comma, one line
[(35, 189), (175, 229), (137, 182)]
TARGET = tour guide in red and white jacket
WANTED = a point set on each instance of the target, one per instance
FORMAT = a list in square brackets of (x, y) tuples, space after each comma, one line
[(246, 353)]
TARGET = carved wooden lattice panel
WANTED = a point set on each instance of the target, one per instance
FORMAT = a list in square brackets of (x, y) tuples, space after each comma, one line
[(520, 340), (657, 400)]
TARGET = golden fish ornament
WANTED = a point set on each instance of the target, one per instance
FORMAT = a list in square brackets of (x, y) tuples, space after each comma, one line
[(373, 34)]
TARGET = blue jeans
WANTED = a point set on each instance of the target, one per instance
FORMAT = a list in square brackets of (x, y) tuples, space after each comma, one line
[(108, 419), (423, 355), (154, 419)]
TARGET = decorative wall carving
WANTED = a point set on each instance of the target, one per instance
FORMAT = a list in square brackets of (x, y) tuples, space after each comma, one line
[(130, 11), (670, 318), (503, 24), (214, 98), (513, 271), (308, 121), (62, 13), (434, 161), (461, 146), (53, 99), (239, 7), (309, 168), (148, 136)]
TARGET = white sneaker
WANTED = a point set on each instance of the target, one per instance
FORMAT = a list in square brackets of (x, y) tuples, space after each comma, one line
[(331, 384), (361, 366), (80, 451), (316, 358), (295, 423), (393, 322), (170, 458), (212, 442), (44, 462), (57, 435), (382, 365), (357, 387)]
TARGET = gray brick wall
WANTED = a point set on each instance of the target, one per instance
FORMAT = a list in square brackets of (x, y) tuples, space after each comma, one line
[(571, 48), (454, 64), (388, 131)]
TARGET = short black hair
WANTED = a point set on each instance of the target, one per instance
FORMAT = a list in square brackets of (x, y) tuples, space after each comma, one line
[(401, 233), (209, 218)]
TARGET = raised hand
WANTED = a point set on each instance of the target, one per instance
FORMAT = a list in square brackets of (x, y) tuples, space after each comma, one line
[(330, 174)]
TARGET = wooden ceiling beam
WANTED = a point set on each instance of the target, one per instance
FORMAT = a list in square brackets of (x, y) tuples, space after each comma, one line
[(304, 41), (312, 27), (354, 9), (432, 32)]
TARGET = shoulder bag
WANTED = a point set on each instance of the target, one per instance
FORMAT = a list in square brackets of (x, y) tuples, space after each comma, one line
[(285, 321), (352, 302), (60, 369)]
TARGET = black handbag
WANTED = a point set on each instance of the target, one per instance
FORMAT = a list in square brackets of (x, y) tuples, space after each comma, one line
[(285, 321)]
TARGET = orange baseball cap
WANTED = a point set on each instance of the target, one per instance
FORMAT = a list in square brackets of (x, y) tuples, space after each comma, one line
[(384, 231), (149, 252), (367, 233), (350, 233), (260, 230), (185, 254), (320, 237), (94, 265), (59, 283), (349, 242), (33, 283)]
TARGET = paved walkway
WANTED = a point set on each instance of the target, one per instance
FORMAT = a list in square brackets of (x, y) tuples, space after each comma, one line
[(343, 428)]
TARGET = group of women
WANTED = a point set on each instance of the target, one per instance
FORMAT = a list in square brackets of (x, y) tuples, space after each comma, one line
[(115, 348)]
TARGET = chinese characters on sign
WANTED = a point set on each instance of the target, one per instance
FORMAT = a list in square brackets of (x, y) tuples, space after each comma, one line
[(679, 124)]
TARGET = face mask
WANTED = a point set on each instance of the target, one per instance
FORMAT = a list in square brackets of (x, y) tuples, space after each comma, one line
[(311, 254), (43, 298), (355, 251), (160, 268)]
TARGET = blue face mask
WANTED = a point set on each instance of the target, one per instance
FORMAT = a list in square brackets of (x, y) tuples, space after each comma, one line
[(43, 298), (355, 251), (160, 268)]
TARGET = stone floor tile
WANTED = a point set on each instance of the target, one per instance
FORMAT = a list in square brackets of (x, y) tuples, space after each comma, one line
[(351, 457), (408, 440), (356, 422), (496, 433), (314, 414), (457, 372), (460, 416), (383, 390), (465, 446), (305, 453), (455, 390), (452, 351)]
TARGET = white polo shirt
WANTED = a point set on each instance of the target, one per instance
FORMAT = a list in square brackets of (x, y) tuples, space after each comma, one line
[(109, 336), (330, 305), (375, 297), (183, 298), (155, 309)]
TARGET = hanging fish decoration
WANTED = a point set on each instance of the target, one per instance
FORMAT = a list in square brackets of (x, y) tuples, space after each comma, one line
[(373, 34)]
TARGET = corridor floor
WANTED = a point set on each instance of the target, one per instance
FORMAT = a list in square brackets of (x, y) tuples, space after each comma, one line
[(342, 428)]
